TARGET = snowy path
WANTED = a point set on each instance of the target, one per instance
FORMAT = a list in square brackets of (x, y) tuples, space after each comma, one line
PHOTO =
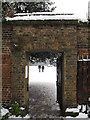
[(42, 102)]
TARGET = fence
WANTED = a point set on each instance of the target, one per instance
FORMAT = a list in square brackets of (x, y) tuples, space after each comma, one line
[(83, 80)]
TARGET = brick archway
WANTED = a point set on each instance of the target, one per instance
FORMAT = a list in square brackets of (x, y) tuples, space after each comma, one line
[(22, 37)]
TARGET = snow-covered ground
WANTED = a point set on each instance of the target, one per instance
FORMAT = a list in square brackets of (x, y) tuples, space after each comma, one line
[(4, 111), (48, 76), (47, 79), (43, 92), (77, 110)]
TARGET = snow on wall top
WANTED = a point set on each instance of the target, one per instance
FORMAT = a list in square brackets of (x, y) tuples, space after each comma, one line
[(43, 16), (41, 13), (25, 0)]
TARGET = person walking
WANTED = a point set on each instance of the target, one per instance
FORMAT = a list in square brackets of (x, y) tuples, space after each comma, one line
[(39, 67), (42, 68)]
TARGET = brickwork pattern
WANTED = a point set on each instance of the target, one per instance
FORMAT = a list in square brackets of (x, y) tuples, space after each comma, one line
[(82, 39), (53, 38), (6, 65), (44, 36)]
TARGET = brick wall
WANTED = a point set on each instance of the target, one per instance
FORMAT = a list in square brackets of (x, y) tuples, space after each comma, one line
[(60, 36), (82, 39), (6, 65), (83, 53), (89, 54), (37, 37)]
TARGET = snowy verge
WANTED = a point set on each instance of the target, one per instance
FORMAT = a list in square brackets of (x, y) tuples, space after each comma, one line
[(77, 110), (13, 116), (4, 111), (81, 115)]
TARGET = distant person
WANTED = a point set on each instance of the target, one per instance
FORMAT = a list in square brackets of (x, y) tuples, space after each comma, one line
[(42, 68), (39, 67)]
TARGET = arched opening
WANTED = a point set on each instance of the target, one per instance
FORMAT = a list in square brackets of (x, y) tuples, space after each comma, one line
[(45, 86)]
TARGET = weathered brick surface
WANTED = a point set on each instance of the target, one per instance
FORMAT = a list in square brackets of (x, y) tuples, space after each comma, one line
[(52, 38), (19, 83), (82, 39), (65, 37), (6, 65)]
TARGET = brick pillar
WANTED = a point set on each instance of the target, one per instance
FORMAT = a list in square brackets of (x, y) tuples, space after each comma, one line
[(18, 80), (70, 79)]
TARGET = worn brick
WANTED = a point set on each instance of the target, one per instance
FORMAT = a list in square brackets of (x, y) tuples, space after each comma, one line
[(60, 36)]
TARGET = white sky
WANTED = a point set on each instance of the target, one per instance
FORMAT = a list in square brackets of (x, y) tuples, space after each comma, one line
[(79, 7)]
